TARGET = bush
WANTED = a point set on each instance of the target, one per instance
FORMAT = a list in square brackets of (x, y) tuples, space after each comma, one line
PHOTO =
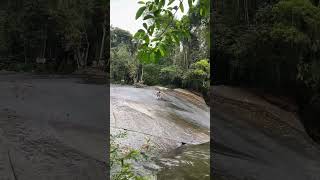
[(171, 75), (121, 159), (122, 70), (123, 66), (198, 76), (151, 74)]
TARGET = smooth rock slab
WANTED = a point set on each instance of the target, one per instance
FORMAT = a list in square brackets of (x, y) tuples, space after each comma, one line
[(168, 123), (54, 128)]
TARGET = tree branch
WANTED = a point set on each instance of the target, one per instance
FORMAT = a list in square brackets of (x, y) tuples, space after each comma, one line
[(166, 28)]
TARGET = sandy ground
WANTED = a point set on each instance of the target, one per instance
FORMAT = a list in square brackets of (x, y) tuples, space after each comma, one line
[(251, 147), (52, 128)]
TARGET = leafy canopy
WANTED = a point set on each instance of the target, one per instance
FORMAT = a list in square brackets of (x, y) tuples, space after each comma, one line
[(161, 28)]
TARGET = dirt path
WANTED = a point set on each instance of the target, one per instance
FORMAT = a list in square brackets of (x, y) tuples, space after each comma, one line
[(49, 130)]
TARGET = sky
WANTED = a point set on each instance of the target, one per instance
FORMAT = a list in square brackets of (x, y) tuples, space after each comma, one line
[(123, 12)]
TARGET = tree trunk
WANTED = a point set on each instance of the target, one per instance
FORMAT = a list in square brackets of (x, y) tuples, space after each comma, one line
[(246, 11), (278, 75), (141, 73), (25, 51), (44, 48), (86, 58), (222, 7), (44, 43), (87, 50), (103, 40), (187, 57), (79, 58), (238, 9)]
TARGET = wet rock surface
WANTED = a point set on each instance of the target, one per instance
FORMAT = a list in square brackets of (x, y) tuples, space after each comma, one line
[(177, 126), (51, 128), (168, 122), (255, 140)]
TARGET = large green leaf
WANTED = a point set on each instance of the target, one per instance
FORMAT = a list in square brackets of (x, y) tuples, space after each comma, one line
[(148, 17), (181, 7), (162, 50), (140, 11), (143, 56), (170, 2), (147, 39), (152, 57), (162, 3), (145, 26), (151, 30), (190, 3), (139, 33)]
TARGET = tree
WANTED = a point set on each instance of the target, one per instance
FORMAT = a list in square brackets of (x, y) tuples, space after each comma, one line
[(104, 4), (157, 36), (123, 65)]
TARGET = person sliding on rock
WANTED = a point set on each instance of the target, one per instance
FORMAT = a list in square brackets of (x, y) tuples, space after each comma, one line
[(158, 95)]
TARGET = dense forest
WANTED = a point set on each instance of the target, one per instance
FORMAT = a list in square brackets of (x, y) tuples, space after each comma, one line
[(186, 64), (271, 45), (53, 35)]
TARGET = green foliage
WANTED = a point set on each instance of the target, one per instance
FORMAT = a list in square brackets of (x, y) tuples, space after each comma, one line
[(123, 66), (121, 159), (140, 11), (3, 38), (309, 73), (266, 52), (301, 14), (18, 67), (151, 74), (120, 36), (165, 49), (288, 34), (297, 22), (198, 76), (63, 32), (171, 75), (161, 28), (202, 65)]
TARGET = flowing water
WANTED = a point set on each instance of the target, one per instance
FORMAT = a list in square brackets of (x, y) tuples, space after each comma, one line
[(186, 163)]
